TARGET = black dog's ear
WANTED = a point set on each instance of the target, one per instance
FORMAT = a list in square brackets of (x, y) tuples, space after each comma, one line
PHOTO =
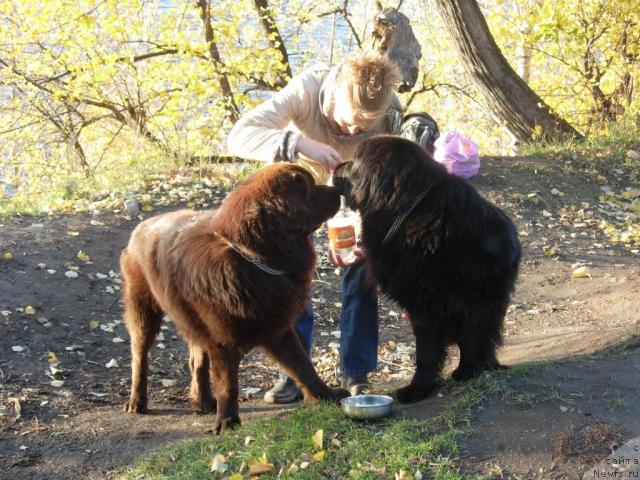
[(341, 177)]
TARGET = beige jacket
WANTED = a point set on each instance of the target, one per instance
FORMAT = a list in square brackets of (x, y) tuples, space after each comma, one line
[(269, 132)]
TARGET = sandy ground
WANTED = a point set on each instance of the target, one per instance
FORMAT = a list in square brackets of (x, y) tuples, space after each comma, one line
[(77, 429)]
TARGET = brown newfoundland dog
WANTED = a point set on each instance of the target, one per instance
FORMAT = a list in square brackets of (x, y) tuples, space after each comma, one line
[(436, 247), (230, 279)]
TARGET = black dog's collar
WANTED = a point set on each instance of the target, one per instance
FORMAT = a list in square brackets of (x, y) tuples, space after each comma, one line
[(262, 266), (404, 214)]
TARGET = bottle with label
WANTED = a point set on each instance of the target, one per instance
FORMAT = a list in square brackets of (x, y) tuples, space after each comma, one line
[(342, 230)]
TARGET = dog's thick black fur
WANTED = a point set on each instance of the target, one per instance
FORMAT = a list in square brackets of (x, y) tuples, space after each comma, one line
[(452, 264)]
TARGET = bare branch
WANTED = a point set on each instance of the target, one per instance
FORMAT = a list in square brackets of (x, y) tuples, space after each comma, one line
[(273, 35), (225, 86)]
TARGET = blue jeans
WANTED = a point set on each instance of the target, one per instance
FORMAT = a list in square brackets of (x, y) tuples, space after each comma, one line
[(358, 324)]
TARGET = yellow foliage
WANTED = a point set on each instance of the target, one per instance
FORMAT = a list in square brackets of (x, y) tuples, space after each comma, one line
[(113, 91)]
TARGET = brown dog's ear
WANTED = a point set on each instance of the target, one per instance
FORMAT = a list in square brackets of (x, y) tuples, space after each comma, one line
[(302, 181)]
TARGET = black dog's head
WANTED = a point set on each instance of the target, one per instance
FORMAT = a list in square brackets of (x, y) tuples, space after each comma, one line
[(387, 172)]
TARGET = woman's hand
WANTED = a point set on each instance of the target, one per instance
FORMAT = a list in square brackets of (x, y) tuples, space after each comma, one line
[(338, 261), (322, 153)]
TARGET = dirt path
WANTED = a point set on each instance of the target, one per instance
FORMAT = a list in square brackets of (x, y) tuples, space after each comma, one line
[(67, 422)]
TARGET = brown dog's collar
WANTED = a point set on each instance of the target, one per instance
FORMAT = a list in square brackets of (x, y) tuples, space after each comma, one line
[(262, 266)]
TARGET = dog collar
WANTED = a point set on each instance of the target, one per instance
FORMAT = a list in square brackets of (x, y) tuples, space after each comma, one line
[(262, 266), (403, 216)]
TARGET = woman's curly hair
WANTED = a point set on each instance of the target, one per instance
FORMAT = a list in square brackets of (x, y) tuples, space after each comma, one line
[(370, 79)]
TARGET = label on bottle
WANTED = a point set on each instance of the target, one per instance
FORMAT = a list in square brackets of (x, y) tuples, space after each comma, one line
[(342, 236)]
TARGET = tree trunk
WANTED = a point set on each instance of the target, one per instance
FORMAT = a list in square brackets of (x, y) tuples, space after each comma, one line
[(511, 100), (273, 36), (225, 86)]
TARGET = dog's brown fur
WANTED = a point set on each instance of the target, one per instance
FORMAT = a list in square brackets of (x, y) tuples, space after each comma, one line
[(223, 305)]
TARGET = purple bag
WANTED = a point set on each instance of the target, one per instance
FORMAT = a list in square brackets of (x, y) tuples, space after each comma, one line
[(458, 154)]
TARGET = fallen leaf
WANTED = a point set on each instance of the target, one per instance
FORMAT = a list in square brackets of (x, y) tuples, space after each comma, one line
[(7, 255), (236, 476), (93, 324), (29, 310), (117, 340), (57, 383), (581, 272), (58, 373), (316, 440), (18, 348), (251, 390), (17, 407), (632, 154), (304, 465), (403, 475), (113, 363), (319, 456), (219, 464), (293, 468), (262, 465), (83, 257), (52, 357)]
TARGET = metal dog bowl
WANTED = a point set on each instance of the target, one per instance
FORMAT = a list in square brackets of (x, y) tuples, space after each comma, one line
[(367, 406)]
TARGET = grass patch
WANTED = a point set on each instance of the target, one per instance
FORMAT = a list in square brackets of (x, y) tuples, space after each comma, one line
[(352, 449), (34, 190), (610, 143)]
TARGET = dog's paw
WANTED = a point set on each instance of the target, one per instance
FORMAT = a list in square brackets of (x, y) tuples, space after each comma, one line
[(203, 406), (226, 423), (412, 393), (466, 373), (339, 394), (136, 405), (498, 366)]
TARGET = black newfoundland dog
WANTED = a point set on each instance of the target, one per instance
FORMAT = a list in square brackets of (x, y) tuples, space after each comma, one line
[(436, 247)]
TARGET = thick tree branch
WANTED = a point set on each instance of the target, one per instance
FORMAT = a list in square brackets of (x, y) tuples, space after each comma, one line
[(273, 37), (223, 79)]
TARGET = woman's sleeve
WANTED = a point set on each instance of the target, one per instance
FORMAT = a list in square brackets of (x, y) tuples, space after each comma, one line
[(262, 133)]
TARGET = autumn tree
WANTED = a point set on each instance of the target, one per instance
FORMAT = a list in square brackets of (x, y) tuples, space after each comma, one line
[(582, 58), (511, 100)]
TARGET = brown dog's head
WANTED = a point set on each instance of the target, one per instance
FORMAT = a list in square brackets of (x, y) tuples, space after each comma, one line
[(281, 199)]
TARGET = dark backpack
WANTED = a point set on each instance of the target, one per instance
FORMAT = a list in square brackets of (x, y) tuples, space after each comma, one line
[(422, 129)]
